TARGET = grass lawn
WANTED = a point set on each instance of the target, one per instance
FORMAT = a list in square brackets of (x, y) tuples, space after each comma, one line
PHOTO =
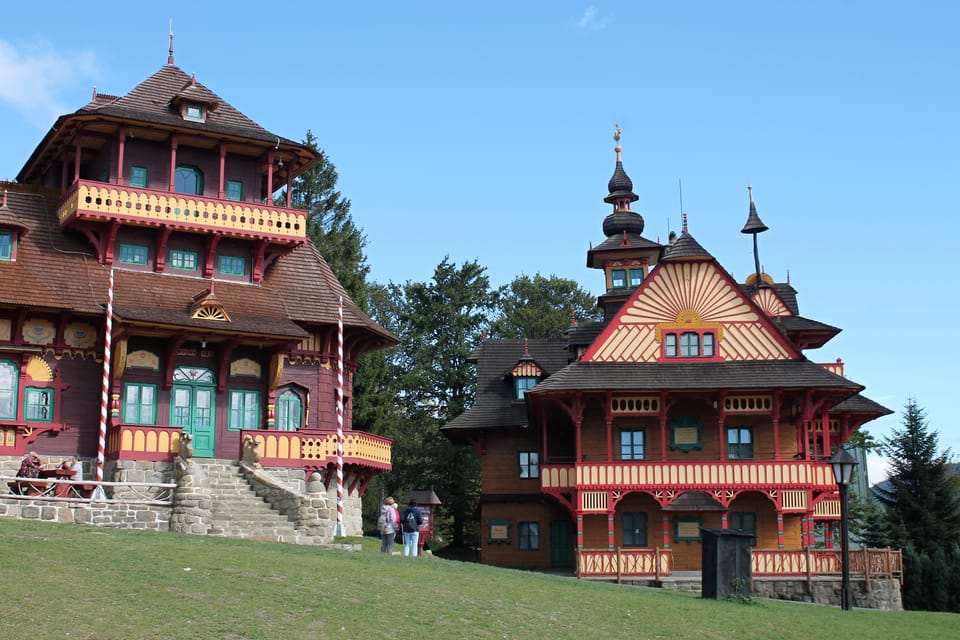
[(72, 581)]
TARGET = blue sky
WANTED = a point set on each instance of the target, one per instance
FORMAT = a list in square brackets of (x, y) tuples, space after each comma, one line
[(484, 131)]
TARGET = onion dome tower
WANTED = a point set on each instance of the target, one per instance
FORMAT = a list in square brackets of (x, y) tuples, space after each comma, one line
[(625, 256)]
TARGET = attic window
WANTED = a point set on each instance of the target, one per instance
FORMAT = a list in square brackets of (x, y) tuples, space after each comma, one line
[(522, 383), (193, 111), (6, 244)]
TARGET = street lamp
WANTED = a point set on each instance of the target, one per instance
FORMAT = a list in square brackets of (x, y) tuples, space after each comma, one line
[(843, 464)]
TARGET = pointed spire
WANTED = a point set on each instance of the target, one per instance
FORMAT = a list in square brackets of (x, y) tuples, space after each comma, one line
[(526, 347), (754, 224), (170, 54), (684, 230), (4, 205), (616, 138), (573, 316), (620, 185)]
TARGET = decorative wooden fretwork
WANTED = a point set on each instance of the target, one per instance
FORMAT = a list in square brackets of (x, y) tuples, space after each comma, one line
[(143, 359), (793, 500), (526, 369), (38, 370), (632, 405), (593, 501), (211, 313), (207, 307), (748, 404), (245, 367), (827, 509), (834, 425)]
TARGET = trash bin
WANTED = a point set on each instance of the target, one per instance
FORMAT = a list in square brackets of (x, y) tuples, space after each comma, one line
[(725, 563)]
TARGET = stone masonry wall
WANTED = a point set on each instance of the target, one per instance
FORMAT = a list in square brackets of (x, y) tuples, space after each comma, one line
[(883, 593)]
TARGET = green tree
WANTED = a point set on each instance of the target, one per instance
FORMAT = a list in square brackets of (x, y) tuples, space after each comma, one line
[(329, 224), (541, 307), (440, 323), (921, 496)]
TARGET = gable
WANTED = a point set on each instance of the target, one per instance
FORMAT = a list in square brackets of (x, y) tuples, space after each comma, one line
[(770, 303), (689, 295)]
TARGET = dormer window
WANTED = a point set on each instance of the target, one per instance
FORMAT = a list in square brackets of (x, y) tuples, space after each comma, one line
[(522, 383), (193, 111), (636, 277), (625, 273), (618, 278), (6, 244)]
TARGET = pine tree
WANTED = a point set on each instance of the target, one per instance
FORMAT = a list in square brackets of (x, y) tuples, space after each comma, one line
[(922, 496)]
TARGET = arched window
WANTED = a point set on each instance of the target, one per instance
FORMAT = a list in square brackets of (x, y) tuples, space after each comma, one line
[(289, 411), (189, 179), (8, 390)]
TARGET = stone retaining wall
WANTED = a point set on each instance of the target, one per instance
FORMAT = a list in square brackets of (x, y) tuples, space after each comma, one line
[(883, 593), (100, 514)]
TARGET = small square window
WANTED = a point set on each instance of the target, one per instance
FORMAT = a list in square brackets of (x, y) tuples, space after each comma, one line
[(529, 464), (234, 190), (138, 176), (498, 531), (193, 112), (183, 260), (522, 383), (231, 265), (636, 277), (133, 254), (739, 443), (618, 278), (6, 245)]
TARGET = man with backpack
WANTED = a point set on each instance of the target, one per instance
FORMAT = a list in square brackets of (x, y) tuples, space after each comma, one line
[(412, 521)]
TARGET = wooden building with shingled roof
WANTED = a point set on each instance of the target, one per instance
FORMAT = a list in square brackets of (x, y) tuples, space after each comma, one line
[(225, 315), (690, 405)]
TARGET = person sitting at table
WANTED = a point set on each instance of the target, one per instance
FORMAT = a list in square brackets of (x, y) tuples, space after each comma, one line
[(30, 466), (73, 464)]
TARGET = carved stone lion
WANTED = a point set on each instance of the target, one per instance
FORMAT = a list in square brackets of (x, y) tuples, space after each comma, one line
[(184, 462), (251, 452)]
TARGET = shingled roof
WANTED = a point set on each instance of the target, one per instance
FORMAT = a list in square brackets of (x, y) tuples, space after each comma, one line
[(495, 404)]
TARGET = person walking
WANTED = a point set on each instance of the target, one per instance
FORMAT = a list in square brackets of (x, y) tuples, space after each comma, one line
[(412, 521), (387, 525)]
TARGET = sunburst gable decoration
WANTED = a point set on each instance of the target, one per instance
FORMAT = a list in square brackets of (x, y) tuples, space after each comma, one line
[(207, 307)]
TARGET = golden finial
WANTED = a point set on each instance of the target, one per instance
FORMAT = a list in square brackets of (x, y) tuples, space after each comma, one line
[(616, 137)]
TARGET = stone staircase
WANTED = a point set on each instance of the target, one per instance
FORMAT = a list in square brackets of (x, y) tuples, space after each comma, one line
[(238, 512)]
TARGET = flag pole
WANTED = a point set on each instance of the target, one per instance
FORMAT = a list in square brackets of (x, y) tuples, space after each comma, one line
[(105, 388), (340, 530)]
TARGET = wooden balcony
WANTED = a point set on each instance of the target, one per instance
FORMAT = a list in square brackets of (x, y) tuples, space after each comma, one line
[(706, 475), (99, 202), (313, 449)]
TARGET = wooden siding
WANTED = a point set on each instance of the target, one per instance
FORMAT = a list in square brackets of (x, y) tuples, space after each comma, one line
[(509, 554), (697, 290), (500, 464)]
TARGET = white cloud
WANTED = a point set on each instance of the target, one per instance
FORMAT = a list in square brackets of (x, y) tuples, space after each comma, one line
[(33, 77), (592, 21)]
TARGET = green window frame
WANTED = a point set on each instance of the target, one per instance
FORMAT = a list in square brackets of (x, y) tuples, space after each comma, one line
[(244, 409), (631, 444), (138, 176), (522, 383), (529, 535), (636, 277), (686, 433), (232, 265), (137, 254), (184, 260), (498, 531), (38, 404), (529, 464), (139, 403), (188, 179), (739, 443), (618, 278), (634, 528), (9, 375), (687, 528), (234, 190), (289, 411), (6, 244), (193, 111)]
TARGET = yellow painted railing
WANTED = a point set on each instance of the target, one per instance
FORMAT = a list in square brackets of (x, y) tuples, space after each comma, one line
[(142, 442), (320, 448), (687, 475), (620, 562), (97, 201)]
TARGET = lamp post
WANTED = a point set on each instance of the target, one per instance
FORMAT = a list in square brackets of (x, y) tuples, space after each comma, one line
[(843, 464)]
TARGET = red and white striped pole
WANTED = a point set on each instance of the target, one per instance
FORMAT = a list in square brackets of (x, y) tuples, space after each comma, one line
[(105, 387), (340, 530)]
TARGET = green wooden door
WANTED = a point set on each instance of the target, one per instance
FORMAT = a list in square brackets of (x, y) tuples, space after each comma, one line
[(193, 401), (561, 544)]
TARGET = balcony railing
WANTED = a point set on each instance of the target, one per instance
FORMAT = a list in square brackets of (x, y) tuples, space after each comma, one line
[(306, 448), (619, 562), (687, 475), (88, 200)]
